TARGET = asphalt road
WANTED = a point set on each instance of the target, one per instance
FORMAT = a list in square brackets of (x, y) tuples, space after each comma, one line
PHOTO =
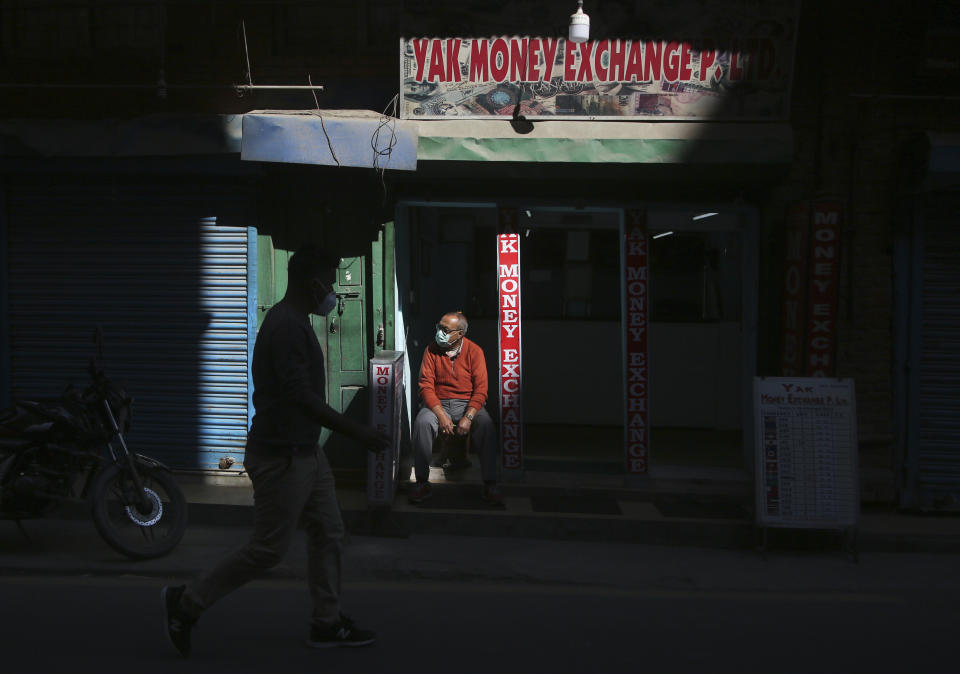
[(103, 624)]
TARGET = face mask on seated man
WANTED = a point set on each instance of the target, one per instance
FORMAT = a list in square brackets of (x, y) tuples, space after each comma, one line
[(449, 336)]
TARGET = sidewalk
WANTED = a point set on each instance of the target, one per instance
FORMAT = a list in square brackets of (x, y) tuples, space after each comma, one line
[(535, 538), (679, 507)]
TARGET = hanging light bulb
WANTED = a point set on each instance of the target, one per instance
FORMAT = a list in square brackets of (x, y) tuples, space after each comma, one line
[(579, 25)]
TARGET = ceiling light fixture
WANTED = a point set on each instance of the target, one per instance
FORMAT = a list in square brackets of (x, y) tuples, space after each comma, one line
[(661, 235), (704, 215), (579, 25)]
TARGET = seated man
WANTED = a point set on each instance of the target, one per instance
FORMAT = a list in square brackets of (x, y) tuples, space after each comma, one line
[(453, 390)]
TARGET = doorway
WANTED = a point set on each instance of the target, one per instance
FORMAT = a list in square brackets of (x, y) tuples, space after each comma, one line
[(572, 339), (702, 343)]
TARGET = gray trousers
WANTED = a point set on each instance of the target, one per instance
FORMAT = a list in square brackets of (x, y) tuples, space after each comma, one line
[(483, 438), (286, 489)]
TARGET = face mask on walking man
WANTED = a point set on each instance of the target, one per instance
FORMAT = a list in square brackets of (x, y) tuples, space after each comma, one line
[(291, 476)]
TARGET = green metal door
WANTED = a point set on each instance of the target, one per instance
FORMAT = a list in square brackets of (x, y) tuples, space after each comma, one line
[(346, 336), (360, 324), (271, 276)]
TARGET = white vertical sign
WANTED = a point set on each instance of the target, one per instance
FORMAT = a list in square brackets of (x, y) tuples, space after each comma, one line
[(386, 392)]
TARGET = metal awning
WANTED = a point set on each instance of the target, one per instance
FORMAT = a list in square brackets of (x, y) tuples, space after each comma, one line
[(366, 138), (329, 137)]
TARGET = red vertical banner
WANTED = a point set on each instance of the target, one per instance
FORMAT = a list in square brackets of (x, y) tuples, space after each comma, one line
[(511, 410), (824, 278), (794, 315), (636, 320)]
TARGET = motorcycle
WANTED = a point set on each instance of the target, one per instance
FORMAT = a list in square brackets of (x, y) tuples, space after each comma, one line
[(73, 450)]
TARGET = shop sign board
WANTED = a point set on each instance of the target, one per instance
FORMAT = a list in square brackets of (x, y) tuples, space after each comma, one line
[(511, 409), (806, 454), (733, 60), (824, 270), (810, 288), (635, 338), (386, 403)]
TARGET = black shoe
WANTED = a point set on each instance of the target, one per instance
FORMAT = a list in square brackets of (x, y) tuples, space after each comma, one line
[(344, 633), (177, 624)]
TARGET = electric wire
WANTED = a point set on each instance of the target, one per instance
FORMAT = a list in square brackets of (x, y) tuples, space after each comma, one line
[(388, 120), (322, 125)]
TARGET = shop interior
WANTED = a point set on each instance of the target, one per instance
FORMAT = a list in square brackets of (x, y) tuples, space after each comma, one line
[(571, 306)]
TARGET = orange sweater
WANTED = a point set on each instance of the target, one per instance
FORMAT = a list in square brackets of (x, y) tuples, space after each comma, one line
[(463, 378)]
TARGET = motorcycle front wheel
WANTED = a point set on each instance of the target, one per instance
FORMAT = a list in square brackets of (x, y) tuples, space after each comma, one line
[(138, 528)]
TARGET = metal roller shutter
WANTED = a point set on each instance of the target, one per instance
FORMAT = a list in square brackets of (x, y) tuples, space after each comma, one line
[(165, 274), (938, 465)]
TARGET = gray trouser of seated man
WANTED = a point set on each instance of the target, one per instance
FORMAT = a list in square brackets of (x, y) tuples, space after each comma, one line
[(483, 438)]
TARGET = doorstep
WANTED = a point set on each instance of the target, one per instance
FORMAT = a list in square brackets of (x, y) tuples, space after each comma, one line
[(544, 506), (236, 489)]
